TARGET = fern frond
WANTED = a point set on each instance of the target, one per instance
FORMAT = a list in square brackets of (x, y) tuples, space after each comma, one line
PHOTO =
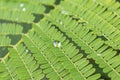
[(48, 2), (37, 47), (7, 70), (88, 42), (111, 5), (97, 19), (25, 65), (16, 16), (23, 7), (69, 60), (7, 29), (59, 40), (44, 57), (64, 60), (4, 41)]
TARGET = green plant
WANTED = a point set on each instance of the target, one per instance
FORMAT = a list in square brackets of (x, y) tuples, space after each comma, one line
[(59, 40)]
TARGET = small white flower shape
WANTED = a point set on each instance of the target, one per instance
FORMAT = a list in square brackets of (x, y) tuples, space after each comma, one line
[(57, 44)]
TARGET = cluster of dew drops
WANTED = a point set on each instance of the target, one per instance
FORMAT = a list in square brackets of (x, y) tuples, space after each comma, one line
[(23, 9), (55, 43), (22, 6)]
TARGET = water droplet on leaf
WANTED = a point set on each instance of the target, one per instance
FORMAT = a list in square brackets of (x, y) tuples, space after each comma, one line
[(24, 9), (21, 5), (57, 44)]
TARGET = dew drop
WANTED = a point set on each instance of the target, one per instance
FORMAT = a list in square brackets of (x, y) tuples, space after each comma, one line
[(57, 44), (27, 51), (64, 12), (94, 0), (99, 54), (17, 19), (24, 9), (21, 5)]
